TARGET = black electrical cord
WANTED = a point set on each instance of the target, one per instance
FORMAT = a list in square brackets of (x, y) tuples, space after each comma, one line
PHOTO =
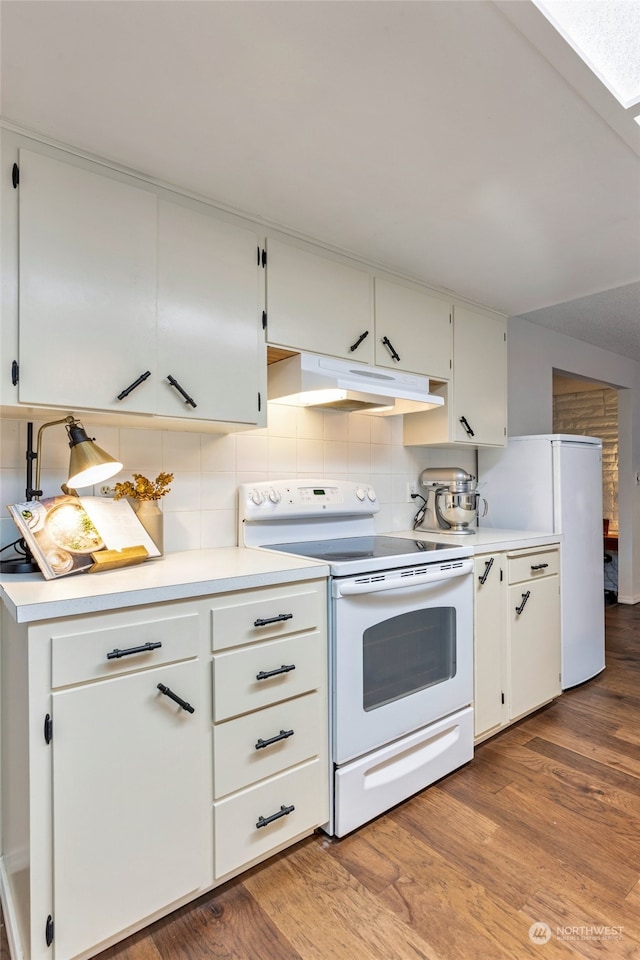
[(419, 517), (18, 545)]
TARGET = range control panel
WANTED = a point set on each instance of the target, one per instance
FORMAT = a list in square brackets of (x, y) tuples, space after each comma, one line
[(290, 499)]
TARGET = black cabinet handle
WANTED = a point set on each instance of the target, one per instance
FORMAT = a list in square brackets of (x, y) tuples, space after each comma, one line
[(487, 567), (525, 597), (539, 566), (280, 617), (363, 336), (132, 386), (390, 347), (116, 654), (265, 674), (280, 736), (176, 699), (282, 812), (187, 398), (465, 424)]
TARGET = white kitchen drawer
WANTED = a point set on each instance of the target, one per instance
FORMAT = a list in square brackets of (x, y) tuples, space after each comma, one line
[(241, 756), (106, 645), (533, 565), (269, 612), (237, 689), (238, 839)]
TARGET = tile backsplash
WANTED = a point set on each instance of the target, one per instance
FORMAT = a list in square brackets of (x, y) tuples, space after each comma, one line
[(201, 509)]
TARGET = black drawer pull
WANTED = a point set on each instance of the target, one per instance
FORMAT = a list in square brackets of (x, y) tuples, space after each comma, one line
[(282, 812), (487, 567), (280, 736), (116, 654), (465, 424), (265, 674), (176, 699), (281, 616), (525, 597), (390, 347), (539, 566), (187, 398), (363, 336), (132, 386)]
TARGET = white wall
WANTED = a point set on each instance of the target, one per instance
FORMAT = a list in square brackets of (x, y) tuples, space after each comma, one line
[(534, 353), (201, 510)]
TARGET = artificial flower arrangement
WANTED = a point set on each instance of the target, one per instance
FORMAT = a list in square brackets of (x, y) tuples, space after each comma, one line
[(143, 489)]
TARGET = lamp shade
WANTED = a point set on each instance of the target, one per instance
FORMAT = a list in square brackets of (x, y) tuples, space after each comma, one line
[(88, 463)]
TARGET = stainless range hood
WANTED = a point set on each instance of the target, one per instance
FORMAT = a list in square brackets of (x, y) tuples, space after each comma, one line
[(307, 379)]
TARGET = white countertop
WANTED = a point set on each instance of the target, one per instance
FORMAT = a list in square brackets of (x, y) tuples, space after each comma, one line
[(486, 539), (176, 576), (198, 573)]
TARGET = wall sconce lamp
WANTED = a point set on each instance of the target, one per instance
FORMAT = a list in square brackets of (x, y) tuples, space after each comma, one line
[(88, 464)]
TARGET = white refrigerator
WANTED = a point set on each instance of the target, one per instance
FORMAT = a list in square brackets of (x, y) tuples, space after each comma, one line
[(553, 483)]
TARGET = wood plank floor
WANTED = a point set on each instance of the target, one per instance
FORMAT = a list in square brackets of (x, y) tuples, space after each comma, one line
[(542, 828)]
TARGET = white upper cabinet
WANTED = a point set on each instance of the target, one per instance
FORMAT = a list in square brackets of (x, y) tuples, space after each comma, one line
[(210, 341), (480, 377), (87, 286), (475, 411), (413, 330), (318, 304), (133, 303)]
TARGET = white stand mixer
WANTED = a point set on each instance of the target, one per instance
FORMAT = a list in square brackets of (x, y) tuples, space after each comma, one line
[(452, 502)]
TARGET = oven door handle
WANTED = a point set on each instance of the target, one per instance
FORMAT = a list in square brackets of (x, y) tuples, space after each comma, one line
[(351, 588)]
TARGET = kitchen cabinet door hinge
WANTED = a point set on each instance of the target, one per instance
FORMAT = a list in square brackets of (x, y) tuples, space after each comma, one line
[(48, 729), (15, 372), (48, 931), (264, 319), (15, 176)]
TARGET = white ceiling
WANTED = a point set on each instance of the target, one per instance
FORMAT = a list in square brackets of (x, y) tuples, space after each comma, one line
[(460, 142)]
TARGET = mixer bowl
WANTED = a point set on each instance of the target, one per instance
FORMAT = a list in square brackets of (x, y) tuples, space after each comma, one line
[(457, 509)]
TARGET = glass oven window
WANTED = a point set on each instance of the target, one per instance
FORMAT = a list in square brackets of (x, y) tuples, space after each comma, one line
[(408, 653)]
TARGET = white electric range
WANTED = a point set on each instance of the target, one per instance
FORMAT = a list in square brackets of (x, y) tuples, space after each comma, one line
[(400, 640)]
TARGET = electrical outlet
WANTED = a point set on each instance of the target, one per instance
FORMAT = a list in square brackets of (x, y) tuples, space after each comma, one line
[(104, 490), (411, 489)]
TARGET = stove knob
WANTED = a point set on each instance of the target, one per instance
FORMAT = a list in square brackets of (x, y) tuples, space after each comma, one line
[(360, 494), (257, 497), (274, 496), (371, 494)]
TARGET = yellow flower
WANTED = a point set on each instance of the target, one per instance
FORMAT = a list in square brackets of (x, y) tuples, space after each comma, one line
[(143, 489)]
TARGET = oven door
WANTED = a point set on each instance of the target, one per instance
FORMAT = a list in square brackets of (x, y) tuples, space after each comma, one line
[(402, 653)]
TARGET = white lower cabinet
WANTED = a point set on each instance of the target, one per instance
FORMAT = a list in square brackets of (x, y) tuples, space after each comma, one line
[(271, 783), (121, 799), (129, 811), (517, 636)]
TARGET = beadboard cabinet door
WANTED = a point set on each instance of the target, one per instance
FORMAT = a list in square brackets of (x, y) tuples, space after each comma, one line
[(87, 254), (210, 338), (130, 812)]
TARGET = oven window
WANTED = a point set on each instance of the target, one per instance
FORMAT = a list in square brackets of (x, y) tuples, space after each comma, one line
[(408, 653)]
